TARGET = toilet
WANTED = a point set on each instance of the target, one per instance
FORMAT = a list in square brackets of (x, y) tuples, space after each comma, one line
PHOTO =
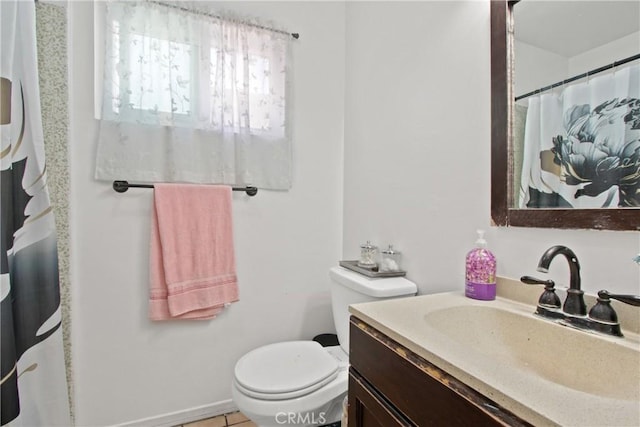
[(301, 383)]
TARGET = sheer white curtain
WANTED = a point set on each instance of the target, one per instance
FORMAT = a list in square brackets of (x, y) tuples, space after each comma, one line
[(188, 97)]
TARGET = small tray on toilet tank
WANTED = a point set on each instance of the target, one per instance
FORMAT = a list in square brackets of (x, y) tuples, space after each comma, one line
[(353, 265)]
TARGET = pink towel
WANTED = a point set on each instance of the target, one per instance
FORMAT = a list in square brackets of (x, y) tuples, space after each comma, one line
[(192, 260)]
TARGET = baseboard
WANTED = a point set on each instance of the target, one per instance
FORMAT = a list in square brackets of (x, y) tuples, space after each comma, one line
[(184, 416)]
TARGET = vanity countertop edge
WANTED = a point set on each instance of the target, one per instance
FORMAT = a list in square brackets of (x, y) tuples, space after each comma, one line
[(535, 400)]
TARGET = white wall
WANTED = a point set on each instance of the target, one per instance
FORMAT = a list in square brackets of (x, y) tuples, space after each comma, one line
[(128, 368), (535, 68), (416, 133), (411, 101), (417, 152), (606, 54)]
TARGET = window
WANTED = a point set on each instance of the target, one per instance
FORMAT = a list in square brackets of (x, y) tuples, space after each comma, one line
[(201, 76), (145, 84)]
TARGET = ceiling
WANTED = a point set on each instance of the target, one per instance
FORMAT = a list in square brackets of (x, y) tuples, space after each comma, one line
[(569, 28)]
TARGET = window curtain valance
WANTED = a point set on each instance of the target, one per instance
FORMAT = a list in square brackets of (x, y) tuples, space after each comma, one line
[(189, 97)]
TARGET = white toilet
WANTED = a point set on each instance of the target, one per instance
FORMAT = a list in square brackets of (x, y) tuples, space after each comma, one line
[(301, 383)]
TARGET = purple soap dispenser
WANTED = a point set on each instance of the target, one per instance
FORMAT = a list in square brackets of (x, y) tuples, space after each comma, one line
[(480, 271)]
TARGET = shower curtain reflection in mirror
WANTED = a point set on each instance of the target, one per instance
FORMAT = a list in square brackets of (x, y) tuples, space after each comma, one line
[(581, 145)]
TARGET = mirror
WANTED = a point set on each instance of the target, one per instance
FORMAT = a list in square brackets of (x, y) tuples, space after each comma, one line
[(503, 196)]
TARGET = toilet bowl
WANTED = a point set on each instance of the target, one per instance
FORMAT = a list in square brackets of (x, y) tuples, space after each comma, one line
[(301, 383), (292, 383)]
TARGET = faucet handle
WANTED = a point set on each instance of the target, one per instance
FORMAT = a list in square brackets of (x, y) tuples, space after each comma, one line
[(548, 298), (529, 280), (627, 299), (605, 316)]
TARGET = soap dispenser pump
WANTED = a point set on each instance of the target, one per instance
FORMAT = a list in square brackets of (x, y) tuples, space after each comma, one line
[(480, 271)]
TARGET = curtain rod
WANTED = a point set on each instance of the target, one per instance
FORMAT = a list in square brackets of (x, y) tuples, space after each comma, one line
[(199, 12), (581, 76), (122, 186)]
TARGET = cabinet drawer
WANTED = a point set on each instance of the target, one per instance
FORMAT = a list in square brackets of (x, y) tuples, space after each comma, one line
[(368, 409), (422, 392)]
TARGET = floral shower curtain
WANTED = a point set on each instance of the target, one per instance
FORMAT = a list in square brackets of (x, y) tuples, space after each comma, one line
[(33, 388), (582, 147)]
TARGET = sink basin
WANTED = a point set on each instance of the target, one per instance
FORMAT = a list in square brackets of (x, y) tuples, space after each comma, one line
[(574, 359), (544, 372)]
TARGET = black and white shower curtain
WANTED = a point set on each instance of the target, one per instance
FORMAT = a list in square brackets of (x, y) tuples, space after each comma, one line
[(582, 146), (33, 388)]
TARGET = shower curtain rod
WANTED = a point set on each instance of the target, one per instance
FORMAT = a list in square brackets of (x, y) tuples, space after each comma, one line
[(122, 186), (198, 12), (581, 76)]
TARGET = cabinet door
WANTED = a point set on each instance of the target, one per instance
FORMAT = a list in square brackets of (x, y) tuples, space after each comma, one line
[(368, 409), (424, 394)]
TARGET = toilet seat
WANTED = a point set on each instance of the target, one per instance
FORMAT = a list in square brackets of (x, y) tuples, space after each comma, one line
[(285, 370)]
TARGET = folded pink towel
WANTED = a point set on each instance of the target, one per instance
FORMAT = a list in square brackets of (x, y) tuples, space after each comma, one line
[(192, 259)]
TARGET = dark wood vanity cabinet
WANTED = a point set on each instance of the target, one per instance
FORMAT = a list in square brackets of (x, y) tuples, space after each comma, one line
[(390, 385)]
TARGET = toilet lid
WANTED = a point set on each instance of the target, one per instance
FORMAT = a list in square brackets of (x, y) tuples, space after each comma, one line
[(285, 369)]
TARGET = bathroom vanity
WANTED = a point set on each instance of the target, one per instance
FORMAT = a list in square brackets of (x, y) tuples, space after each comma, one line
[(389, 385), (444, 359)]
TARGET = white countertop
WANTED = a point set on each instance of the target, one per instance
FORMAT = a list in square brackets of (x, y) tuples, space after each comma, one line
[(506, 380)]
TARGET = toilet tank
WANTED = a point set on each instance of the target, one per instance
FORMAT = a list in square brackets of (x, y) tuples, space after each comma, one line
[(349, 287)]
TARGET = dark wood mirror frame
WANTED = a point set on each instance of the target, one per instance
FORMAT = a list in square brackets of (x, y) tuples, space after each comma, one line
[(501, 96)]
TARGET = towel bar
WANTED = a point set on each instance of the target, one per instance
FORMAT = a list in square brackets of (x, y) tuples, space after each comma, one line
[(122, 186)]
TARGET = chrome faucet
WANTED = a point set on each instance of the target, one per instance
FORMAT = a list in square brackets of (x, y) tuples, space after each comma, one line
[(602, 317)]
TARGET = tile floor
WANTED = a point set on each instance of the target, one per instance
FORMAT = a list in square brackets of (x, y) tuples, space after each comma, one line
[(235, 419)]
